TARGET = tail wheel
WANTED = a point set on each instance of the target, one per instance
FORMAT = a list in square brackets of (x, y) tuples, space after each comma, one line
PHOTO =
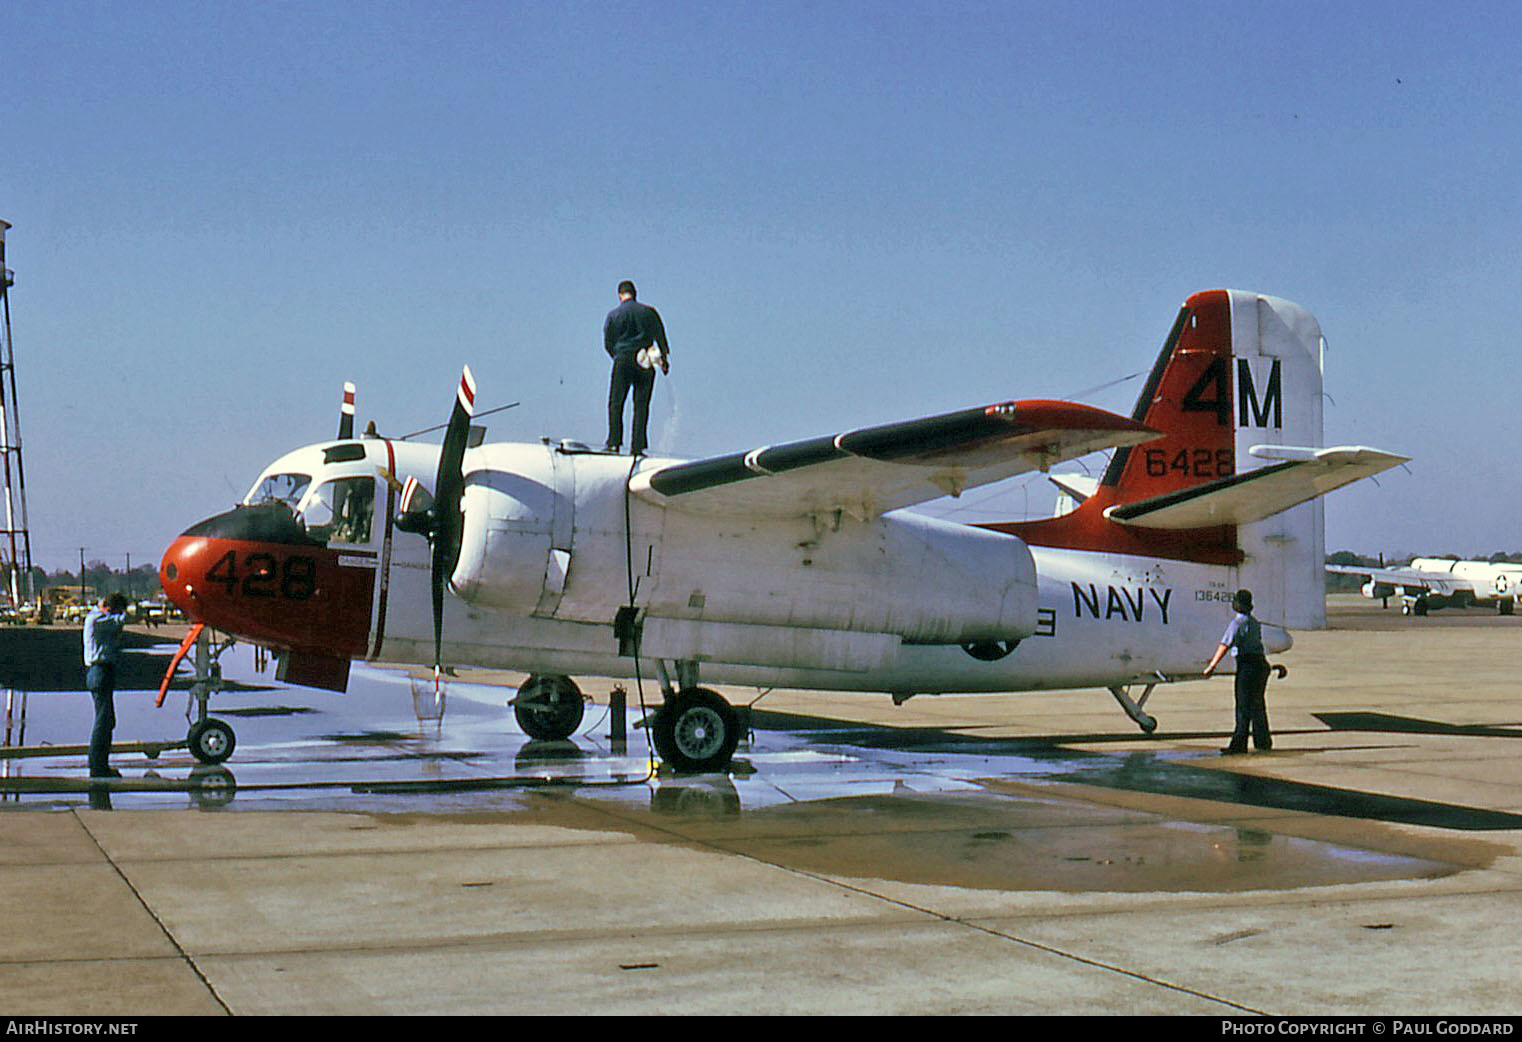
[(549, 708), (211, 741), (696, 732)]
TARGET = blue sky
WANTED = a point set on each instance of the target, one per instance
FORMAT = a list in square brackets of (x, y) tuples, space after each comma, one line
[(847, 214)]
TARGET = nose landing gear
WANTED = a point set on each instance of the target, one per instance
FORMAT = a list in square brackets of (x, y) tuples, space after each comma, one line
[(210, 740)]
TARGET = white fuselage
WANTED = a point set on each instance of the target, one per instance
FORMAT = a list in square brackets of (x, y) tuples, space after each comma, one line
[(1488, 582), (555, 547)]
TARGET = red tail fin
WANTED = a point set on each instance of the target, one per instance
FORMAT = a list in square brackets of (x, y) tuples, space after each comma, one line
[(1188, 397)]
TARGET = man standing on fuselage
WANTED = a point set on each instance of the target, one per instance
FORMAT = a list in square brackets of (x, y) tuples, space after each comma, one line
[(635, 339)]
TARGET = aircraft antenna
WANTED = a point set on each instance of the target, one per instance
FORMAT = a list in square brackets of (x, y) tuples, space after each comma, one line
[(15, 539)]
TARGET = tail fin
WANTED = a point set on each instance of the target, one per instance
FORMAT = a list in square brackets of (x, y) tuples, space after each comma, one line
[(1188, 399), (1238, 371)]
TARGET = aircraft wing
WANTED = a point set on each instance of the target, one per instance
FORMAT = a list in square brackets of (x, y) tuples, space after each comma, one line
[(867, 472), (1408, 578), (1302, 475)]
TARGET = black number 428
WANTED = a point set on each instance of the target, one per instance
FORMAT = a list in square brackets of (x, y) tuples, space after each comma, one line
[(263, 575)]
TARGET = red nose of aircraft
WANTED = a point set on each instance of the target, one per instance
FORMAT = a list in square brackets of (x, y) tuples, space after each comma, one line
[(256, 573)]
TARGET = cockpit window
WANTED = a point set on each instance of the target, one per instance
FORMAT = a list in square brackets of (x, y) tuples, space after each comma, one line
[(280, 488), (340, 511)]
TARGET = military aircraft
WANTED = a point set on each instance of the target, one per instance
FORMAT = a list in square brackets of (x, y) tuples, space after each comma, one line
[(1430, 583), (797, 565)]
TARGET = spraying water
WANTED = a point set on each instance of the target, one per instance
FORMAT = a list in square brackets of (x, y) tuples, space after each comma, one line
[(665, 443)]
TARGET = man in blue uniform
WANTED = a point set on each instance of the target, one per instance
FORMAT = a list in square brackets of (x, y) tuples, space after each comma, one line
[(103, 641), (1244, 639), (635, 339)]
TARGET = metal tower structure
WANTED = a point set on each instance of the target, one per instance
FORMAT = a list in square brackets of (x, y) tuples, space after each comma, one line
[(15, 539)]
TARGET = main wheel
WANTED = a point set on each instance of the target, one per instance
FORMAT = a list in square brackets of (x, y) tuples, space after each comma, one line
[(696, 732), (211, 741), (549, 708)]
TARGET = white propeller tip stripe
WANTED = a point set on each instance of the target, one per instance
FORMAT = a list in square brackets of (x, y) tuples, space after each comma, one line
[(468, 390)]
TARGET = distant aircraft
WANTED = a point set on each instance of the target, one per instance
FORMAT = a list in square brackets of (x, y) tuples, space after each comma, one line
[(1430, 583), (796, 565)]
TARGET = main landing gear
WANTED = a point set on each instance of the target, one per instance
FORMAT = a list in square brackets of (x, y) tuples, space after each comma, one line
[(549, 707), (694, 731)]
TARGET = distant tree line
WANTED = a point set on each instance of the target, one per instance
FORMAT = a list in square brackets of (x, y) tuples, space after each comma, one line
[(142, 583)]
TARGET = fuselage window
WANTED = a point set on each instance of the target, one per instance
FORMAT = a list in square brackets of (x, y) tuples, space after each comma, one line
[(280, 488), (341, 511)]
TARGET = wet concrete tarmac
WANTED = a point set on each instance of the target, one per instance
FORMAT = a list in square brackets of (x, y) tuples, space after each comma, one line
[(1376, 796), (384, 747)]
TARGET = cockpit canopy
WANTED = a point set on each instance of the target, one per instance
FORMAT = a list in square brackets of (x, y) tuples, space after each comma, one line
[(279, 488), (341, 510)]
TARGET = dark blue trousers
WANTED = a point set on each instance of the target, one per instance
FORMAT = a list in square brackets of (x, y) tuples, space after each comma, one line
[(627, 374), (101, 680), (1252, 708)]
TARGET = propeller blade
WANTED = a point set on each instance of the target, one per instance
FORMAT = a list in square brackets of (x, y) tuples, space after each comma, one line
[(449, 490), (346, 414)]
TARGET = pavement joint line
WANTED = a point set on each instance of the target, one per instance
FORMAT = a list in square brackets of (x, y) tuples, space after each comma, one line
[(1005, 936), (541, 938), (184, 956), (490, 848), (965, 923), (87, 960)]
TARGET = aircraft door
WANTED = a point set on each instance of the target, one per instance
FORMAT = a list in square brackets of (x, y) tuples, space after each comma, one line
[(341, 514)]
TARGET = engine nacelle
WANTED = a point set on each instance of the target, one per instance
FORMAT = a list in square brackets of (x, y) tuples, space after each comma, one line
[(511, 506)]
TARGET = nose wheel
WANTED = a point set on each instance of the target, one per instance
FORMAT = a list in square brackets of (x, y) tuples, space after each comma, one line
[(211, 740)]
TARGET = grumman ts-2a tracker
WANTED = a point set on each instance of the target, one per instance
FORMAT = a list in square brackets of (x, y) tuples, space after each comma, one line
[(797, 565)]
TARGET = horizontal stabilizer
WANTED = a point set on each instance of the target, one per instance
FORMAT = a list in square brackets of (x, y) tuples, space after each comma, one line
[(1302, 475), (864, 473), (1079, 486)]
